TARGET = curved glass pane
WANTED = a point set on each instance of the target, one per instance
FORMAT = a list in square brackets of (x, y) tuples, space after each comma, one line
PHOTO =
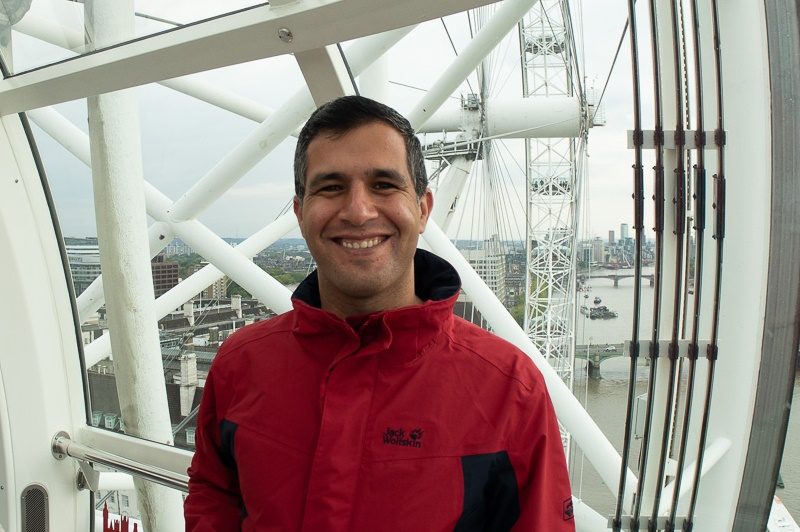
[(183, 139), (789, 483), (551, 234)]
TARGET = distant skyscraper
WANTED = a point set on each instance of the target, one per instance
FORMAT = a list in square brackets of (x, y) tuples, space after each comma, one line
[(586, 252), (611, 237), (598, 250), (624, 233)]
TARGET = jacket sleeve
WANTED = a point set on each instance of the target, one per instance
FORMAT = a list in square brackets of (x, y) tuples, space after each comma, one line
[(214, 502), (545, 495)]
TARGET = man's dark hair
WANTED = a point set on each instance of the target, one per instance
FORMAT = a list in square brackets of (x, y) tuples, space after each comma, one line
[(344, 114)]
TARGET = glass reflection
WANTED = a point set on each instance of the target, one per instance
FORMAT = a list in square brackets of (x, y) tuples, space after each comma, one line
[(43, 32)]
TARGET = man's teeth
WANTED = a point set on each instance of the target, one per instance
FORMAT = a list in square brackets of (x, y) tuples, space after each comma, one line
[(361, 244)]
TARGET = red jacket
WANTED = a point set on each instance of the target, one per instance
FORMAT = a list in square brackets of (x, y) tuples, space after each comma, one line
[(410, 419)]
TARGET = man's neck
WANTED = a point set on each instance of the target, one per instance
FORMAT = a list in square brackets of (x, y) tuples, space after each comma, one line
[(359, 307)]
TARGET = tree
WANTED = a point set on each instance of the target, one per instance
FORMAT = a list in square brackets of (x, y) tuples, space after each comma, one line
[(234, 290), (518, 311)]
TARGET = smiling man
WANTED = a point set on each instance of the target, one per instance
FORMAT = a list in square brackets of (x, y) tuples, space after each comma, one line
[(361, 216), (370, 406)]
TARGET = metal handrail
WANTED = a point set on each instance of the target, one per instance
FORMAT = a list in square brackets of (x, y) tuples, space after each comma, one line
[(64, 446)]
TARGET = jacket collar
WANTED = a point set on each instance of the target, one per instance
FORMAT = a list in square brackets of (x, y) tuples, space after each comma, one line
[(398, 335)]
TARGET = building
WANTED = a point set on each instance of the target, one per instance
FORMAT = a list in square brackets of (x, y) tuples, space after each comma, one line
[(165, 275), (489, 263), (611, 237), (216, 290), (624, 232), (84, 265), (598, 250), (585, 252), (177, 247)]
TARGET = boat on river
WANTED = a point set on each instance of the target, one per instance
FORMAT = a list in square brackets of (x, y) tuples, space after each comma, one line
[(601, 312)]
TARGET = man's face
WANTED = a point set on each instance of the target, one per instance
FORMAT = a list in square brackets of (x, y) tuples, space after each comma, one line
[(361, 219)]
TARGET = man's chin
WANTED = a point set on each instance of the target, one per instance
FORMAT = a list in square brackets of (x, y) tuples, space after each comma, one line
[(362, 288)]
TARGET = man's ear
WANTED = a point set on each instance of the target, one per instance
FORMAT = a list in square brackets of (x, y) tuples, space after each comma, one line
[(297, 206), (425, 207)]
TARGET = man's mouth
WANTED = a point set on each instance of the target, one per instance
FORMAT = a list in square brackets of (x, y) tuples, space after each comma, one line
[(361, 244)]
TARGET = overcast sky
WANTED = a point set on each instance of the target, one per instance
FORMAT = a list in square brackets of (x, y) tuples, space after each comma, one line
[(183, 138)]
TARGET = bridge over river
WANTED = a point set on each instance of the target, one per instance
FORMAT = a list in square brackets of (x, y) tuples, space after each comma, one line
[(595, 354), (616, 277)]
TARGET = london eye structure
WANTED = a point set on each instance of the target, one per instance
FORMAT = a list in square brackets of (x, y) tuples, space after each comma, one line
[(153, 124)]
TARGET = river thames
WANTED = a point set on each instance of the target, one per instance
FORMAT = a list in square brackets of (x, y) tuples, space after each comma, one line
[(605, 399)]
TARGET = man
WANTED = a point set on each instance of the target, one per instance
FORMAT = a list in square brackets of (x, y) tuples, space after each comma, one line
[(370, 407)]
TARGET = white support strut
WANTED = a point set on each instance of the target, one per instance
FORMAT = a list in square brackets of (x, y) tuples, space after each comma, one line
[(484, 41), (121, 231)]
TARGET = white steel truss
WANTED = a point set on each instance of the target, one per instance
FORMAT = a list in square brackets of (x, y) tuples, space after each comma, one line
[(551, 185)]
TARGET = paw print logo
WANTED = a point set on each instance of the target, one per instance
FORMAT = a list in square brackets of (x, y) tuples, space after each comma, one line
[(416, 434)]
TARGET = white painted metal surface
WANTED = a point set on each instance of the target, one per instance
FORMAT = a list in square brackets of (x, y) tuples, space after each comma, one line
[(747, 230), (124, 257), (556, 116), (450, 186), (244, 36), (325, 73), (504, 19), (39, 361)]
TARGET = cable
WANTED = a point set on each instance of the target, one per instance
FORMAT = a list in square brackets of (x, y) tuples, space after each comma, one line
[(638, 186), (611, 69), (658, 199), (347, 67), (454, 49), (719, 235), (679, 201)]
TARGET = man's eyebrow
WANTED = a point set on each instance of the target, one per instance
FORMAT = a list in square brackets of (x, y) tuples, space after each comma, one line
[(317, 179), (390, 174)]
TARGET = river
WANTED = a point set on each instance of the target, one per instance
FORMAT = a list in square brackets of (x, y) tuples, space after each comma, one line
[(606, 399)]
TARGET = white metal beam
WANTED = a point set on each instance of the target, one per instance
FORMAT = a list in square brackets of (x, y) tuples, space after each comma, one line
[(451, 184), (189, 287), (222, 176), (232, 39), (124, 257), (551, 117), (70, 39), (325, 73), (262, 140), (503, 20)]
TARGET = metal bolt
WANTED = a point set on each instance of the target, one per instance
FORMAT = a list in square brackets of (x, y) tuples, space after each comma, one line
[(285, 34), (80, 481)]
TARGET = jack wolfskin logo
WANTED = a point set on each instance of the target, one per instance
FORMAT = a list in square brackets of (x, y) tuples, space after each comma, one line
[(398, 437), (569, 512)]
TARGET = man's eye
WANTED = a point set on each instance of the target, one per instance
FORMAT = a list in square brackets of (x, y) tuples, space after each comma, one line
[(384, 185)]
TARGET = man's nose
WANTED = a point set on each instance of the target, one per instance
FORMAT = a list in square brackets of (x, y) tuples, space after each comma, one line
[(360, 206)]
